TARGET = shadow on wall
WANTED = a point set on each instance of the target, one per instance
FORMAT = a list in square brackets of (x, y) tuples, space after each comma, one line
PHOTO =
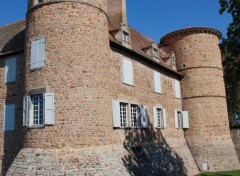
[(13, 140), (150, 155)]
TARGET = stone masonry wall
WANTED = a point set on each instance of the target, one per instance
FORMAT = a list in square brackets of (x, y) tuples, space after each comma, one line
[(198, 57), (85, 76), (11, 93), (76, 68)]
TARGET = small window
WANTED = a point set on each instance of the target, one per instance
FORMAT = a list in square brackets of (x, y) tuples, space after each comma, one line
[(123, 114), (177, 89), (38, 110), (159, 117), (155, 52), (181, 119), (157, 82), (9, 117), (37, 53), (10, 69), (127, 115), (125, 37), (127, 72), (37, 1), (134, 116), (37, 101)]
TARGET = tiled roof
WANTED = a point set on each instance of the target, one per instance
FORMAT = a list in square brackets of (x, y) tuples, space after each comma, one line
[(12, 37), (12, 40)]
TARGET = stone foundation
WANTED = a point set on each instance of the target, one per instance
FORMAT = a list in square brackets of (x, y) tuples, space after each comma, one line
[(145, 159)]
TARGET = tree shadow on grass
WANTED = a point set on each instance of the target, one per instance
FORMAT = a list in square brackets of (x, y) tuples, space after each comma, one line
[(150, 155)]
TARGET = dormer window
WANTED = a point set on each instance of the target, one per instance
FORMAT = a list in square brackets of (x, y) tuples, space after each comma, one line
[(173, 58), (155, 52), (125, 37), (34, 2)]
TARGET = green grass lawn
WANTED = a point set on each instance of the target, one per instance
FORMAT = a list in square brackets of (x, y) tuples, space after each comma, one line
[(223, 173)]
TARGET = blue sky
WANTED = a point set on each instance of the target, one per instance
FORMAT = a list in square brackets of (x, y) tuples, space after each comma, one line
[(153, 18)]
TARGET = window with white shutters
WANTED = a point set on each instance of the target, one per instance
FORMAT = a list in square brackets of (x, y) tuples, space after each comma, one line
[(181, 119), (9, 117), (177, 89), (134, 116), (157, 82), (37, 53), (127, 72), (38, 110), (127, 115), (10, 69), (159, 117)]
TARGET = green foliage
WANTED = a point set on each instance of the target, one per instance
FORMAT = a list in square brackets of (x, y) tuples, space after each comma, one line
[(231, 44), (231, 49), (223, 173), (232, 83)]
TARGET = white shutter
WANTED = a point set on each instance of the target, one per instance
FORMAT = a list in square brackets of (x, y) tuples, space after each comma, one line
[(49, 108), (155, 117), (164, 118), (26, 100), (185, 119), (176, 118), (157, 82), (177, 89), (143, 116), (41, 52), (10, 70), (127, 72), (34, 54), (9, 117), (116, 113)]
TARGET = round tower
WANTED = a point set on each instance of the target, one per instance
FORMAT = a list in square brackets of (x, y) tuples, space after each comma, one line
[(198, 57), (67, 58)]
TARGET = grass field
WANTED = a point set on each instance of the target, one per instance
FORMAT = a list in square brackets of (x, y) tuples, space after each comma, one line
[(223, 173)]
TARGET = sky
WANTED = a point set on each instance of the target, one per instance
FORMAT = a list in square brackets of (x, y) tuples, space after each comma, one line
[(153, 18)]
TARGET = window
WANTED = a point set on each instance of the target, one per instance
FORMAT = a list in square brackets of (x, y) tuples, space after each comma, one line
[(38, 110), (37, 2), (134, 116), (125, 37), (155, 52), (9, 117), (177, 89), (127, 72), (159, 117), (37, 101), (123, 114), (129, 115), (157, 82), (181, 119), (10, 69), (37, 53)]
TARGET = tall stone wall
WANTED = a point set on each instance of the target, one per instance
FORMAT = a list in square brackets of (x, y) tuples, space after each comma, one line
[(11, 93), (198, 58), (76, 66)]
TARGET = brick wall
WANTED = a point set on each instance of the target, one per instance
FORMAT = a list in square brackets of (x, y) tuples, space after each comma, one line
[(198, 57), (11, 93)]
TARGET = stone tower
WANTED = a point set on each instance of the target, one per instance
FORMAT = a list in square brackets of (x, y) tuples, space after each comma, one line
[(75, 34), (199, 59)]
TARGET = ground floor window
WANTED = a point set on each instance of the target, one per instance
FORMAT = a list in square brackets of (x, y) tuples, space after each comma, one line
[(129, 115), (38, 110)]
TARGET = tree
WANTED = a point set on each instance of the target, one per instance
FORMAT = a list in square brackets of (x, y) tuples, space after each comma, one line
[(230, 47), (231, 44)]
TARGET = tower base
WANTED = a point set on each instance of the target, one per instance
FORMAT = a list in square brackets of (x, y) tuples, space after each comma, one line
[(145, 159)]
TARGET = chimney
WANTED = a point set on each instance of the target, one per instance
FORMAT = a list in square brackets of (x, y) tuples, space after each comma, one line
[(117, 12)]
